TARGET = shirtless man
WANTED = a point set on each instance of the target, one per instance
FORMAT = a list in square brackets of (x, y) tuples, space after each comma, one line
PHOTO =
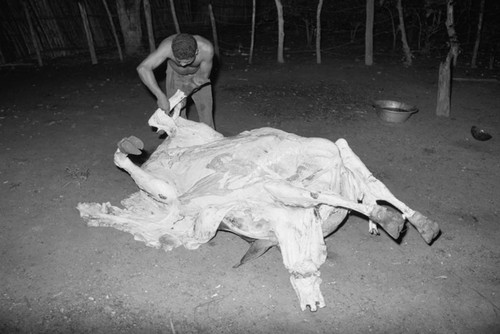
[(189, 63)]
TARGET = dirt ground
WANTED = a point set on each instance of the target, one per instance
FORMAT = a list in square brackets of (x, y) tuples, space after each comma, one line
[(59, 127)]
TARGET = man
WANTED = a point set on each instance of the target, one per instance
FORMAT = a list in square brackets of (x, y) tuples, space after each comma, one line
[(189, 63)]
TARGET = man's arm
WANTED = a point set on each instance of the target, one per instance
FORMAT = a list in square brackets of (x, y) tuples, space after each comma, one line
[(145, 70)]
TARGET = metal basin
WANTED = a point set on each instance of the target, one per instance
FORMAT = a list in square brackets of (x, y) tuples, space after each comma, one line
[(394, 111)]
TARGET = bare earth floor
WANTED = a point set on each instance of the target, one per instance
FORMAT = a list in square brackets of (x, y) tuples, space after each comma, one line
[(58, 131)]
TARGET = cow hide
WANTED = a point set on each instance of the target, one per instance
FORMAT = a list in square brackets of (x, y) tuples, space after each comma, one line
[(266, 185)]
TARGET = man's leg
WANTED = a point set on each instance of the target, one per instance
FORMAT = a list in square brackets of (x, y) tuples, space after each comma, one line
[(204, 105)]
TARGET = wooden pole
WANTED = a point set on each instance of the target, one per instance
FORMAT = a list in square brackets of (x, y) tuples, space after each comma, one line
[(444, 82), (252, 38), (452, 34), (88, 33), (113, 29), (478, 35), (214, 29), (444, 93), (393, 28), (34, 38), (281, 31), (174, 17), (402, 29), (370, 9), (149, 24), (318, 32), (493, 51), (47, 28)]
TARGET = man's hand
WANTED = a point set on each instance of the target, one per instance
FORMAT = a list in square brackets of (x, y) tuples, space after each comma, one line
[(163, 104)]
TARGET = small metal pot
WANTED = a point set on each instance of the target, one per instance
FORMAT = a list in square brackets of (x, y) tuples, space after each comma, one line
[(394, 111)]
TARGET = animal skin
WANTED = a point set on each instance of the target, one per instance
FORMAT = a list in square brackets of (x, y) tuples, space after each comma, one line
[(268, 186)]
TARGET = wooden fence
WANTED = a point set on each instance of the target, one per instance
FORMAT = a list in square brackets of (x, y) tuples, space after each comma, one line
[(46, 29), (34, 31)]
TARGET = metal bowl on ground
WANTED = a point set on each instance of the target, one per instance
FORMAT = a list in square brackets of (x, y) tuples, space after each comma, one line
[(394, 111)]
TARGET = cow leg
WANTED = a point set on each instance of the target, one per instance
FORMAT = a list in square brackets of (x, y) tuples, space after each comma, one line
[(295, 196), (163, 190), (374, 189)]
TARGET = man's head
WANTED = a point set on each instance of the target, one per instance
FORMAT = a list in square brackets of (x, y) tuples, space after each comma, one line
[(184, 48)]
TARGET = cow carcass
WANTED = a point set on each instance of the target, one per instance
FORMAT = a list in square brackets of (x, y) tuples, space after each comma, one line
[(271, 187)]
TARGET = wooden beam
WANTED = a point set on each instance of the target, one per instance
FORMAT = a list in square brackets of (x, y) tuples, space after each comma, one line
[(113, 29), (370, 9), (174, 17), (34, 38), (318, 32), (252, 38), (214, 29), (149, 25), (281, 31), (88, 32), (476, 79)]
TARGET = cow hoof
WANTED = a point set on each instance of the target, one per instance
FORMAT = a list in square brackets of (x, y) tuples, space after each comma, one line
[(427, 228), (131, 145), (392, 222)]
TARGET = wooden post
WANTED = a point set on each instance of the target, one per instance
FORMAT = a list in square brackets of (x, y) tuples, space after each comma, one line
[(370, 9), (444, 82), (88, 33), (478, 35), (493, 51), (444, 93), (214, 29), (149, 24), (252, 39), (402, 29), (129, 14), (281, 31), (174, 17), (393, 26), (113, 29), (318, 32), (34, 38), (452, 34)]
